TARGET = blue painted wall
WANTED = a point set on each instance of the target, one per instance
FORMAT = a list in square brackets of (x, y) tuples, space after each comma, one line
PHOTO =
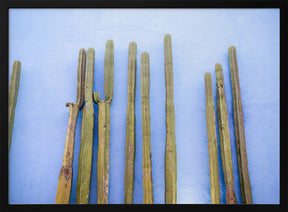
[(47, 41)]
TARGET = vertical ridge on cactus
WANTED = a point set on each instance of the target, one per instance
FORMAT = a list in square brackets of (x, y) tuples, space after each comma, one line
[(13, 95), (65, 176), (225, 144), (104, 126), (87, 130), (170, 148), (212, 140), (130, 125), (146, 130), (239, 129)]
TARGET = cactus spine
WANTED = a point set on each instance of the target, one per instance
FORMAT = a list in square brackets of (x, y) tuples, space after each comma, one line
[(65, 177), (239, 129), (212, 141), (87, 129), (104, 126), (170, 149), (146, 129), (130, 125), (13, 95), (224, 134)]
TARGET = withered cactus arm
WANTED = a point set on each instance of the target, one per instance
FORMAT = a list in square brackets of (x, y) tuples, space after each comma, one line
[(65, 177), (130, 125), (146, 129), (87, 130), (104, 126), (239, 129), (212, 140), (13, 95), (170, 149), (225, 144)]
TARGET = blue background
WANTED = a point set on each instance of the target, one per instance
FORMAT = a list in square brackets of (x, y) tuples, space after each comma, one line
[(47, 42)]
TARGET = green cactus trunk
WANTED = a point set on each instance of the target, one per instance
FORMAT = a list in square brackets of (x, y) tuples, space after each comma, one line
[(170, 149), (239, 129), (65, 177), (13, 95), (146, 129), (104, 126), (87, 130), (130, 125), (225, 144), (212, 141)]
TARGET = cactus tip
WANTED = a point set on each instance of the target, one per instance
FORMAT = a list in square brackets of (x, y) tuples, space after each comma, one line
[(17, 61), (82, 50), (231, 48), (133, 44), (110, 42), (167, 37), (91, 49), (207, 75), (145, 53), (218, 67)]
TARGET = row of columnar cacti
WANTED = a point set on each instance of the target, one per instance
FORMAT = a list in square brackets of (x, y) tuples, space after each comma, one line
[(170, 150), (225, 144), (87, 128), (85, 92)]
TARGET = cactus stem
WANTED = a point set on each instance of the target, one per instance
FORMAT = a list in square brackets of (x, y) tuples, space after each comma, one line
[(146, 129), (65, 176), (225, 144), (170, 149), (130, 125), (87, 130), (13, 95), (212, 140), (239, 129), (104, 126)]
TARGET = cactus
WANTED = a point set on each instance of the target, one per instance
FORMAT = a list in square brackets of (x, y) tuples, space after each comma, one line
[(87, 130), (13, 94), (239, 129), (170, 148), (146, 129), (104, 126), (224, 135), (212, 141), (130, 125), (65, 177)]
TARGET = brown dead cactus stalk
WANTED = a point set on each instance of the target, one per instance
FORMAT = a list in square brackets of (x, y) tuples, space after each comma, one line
[(65, 177)]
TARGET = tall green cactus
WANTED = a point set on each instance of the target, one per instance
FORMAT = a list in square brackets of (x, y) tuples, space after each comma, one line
[(146, 129), (239, 129), (87, 130), (130, 125), (212, 140), (170, 149), (13, 95), (104, 126), (65, 177), (225, 144)]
